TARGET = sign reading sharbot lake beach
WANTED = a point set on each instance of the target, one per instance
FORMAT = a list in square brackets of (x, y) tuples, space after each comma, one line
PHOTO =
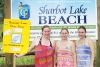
[(16, 36), (57, 14)]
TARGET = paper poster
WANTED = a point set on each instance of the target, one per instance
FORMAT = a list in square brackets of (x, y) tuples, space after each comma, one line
[(16, 36)]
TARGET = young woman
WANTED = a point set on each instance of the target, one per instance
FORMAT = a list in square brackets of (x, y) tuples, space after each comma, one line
[(43, 48), (65, 51), (84, 49), (44, 40)]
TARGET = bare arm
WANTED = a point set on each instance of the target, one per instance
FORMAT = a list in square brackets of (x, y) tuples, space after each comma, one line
[(34, 43), (74, 53), (91, 44), (55, 55), (29, 50)]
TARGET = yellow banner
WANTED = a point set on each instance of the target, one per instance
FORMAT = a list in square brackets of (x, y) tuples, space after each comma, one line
[(16, 36)]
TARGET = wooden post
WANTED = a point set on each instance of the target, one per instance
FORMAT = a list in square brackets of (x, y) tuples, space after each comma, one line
[(98, 41), (9, 58)]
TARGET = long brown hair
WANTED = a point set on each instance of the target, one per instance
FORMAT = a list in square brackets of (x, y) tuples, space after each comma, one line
[(82, 27), (45, 26)]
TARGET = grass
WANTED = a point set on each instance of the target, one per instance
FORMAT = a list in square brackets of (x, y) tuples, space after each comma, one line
[(2, 61), (25, 60)]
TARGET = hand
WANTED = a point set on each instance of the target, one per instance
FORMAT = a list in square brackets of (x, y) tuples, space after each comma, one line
[(19, 55), (0, 49)]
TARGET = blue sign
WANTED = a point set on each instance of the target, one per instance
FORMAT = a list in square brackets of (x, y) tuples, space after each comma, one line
[(24, 11)]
